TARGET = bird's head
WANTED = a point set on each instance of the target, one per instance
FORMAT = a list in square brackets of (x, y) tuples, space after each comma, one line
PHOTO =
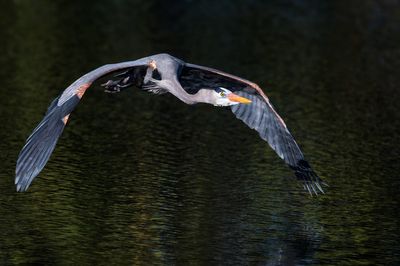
[(224, 97)]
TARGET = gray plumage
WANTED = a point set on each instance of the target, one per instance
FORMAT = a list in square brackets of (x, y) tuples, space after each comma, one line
[(191, 84)]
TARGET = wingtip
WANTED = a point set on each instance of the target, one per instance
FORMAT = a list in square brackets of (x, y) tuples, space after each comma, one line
[(311, 181), (18, 185), (24, 180), (21, 187), (21, 180), (313, 188), (319, 187)]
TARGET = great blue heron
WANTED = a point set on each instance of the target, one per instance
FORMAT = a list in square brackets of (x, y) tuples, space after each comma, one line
[(191, 84)]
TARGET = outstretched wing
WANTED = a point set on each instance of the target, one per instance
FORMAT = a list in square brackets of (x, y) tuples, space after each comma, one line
[(259, 115), (40, 144)]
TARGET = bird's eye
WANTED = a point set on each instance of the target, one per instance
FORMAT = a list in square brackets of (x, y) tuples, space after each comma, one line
[(222, 94)]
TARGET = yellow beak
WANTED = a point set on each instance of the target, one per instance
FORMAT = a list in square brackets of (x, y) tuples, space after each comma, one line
[(236, 98)]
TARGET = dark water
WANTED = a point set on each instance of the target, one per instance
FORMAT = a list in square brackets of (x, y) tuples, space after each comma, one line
[(138, 179)]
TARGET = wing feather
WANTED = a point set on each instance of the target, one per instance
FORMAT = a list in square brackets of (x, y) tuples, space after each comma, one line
[(41, 143), (259, 115), (38, 149)]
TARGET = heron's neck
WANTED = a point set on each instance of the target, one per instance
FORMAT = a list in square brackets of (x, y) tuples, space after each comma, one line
[(202, 96)]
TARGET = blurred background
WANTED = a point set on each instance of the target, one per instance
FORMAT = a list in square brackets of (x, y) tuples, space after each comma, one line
[(138, 179)]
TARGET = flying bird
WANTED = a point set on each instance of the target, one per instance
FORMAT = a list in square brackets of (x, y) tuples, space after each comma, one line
[(190, 83)]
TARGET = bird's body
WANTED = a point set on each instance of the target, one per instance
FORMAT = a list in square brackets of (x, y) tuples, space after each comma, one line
[(191, 84)]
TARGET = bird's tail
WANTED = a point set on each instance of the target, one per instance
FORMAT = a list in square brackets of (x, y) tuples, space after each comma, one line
[(39, 146)]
